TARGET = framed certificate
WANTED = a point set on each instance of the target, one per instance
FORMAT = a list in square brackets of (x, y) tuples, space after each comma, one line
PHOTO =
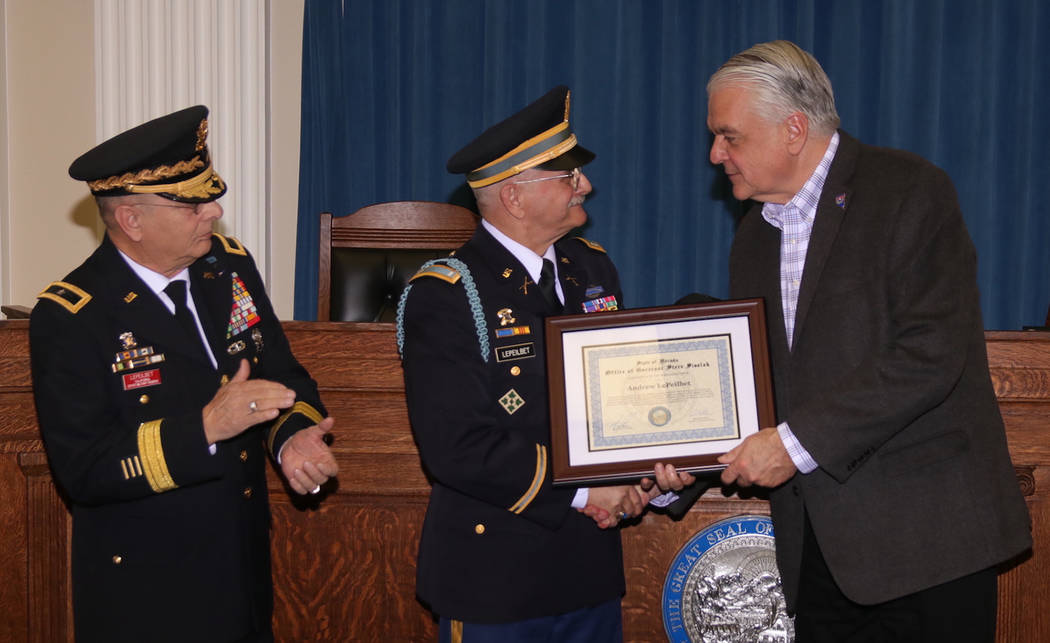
[(675, 384)]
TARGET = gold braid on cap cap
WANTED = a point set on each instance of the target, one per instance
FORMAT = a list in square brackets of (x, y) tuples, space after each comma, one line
[(129, 179), (200, 186), (539, 149)]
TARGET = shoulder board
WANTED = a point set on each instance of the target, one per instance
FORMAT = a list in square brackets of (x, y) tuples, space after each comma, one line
[(590, 244), (442, 272), (66, 295), (231, 245)]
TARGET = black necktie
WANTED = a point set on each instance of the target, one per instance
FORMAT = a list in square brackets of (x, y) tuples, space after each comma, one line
[(547, 287), (176, 290)]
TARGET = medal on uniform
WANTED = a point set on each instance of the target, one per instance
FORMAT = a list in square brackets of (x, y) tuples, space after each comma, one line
[(244, 314)]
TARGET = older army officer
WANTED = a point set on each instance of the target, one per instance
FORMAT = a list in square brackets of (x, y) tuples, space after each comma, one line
[(503, 555), (162, 378)]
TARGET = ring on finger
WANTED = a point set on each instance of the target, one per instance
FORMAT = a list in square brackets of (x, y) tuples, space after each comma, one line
[(623, 515), (252, 407)]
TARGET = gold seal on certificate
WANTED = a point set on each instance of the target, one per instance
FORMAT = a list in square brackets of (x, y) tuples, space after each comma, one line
[(678, 384)]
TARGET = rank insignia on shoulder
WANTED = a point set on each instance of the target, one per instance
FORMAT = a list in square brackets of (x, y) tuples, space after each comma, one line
[(590, 244), (600, 304), (231, 245), (442, 272), (512, 331), (66, 295)]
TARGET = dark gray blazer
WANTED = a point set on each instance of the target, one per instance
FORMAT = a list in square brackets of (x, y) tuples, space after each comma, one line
[(886, 384)]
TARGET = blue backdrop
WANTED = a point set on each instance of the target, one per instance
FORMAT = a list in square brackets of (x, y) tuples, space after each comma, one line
[(391, 88)]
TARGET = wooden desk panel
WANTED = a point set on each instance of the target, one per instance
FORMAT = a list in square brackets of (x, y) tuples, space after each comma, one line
[(344, 564)]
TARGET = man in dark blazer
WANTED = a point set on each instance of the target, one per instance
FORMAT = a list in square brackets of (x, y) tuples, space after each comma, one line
[(504, 556), (158, 406), (893, 496)]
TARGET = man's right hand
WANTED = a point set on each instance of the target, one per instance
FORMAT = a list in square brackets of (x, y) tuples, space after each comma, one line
[(609, 505), (243, 403)]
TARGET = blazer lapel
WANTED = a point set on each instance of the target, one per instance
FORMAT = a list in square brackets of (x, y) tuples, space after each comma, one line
[(213, 296), (831, 210)]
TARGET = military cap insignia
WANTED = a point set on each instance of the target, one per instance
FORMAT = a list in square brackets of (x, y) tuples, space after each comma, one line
[(511, 402), (590, 244), (244, 314), (441, 271), (66, 295), (231, 245)]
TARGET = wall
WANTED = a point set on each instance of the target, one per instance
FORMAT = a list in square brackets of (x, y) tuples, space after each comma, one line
[(48, 115)]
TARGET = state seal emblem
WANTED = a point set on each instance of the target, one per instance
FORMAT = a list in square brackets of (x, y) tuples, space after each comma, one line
[(723, 585)]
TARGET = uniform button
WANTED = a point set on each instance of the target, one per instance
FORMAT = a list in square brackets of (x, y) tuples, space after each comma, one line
[(244, 456), (255, 360), (247, 492), (118, 559), (515, 370), (224, 380), (144, 399), (479, 529)]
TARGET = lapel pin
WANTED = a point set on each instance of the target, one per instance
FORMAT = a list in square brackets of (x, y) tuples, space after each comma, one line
[(840, 201), (507, 272), (130, 297)]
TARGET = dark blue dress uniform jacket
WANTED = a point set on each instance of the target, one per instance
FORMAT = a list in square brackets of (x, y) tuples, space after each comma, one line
[(499, 543), (170, 543)]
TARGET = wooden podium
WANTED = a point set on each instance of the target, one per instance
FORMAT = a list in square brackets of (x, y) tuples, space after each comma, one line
[(344, 564)]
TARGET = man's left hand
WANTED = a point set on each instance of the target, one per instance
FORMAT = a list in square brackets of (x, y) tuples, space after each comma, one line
[(306, 461), (760, 459)]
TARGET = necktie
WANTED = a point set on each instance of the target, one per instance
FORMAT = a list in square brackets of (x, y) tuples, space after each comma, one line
[(547, 287), (176, 290)]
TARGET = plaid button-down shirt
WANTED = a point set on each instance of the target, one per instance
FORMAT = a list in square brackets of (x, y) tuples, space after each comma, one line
[(795, 219)]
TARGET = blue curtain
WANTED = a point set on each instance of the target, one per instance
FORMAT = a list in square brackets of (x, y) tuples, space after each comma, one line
[(391, 88)]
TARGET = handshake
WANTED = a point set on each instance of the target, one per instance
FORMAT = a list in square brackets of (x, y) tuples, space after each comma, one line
[(608, 506)]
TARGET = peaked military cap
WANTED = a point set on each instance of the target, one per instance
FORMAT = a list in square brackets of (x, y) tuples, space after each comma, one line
[(166, 156), (537, 136)]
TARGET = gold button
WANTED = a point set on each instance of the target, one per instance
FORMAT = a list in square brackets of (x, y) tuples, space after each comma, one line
[(479, 529), (515, 370), (244, 456), (117, 560), (247, 492), (144, 399), (255, 360), (224, 380)]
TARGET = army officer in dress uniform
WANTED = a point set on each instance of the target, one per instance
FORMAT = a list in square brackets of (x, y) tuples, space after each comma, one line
[(503, 554), (162, 380)]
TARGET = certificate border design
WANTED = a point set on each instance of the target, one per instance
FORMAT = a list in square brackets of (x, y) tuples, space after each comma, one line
[(727, 393)]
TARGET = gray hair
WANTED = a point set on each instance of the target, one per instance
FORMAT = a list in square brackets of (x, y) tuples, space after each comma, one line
[(786, 79)]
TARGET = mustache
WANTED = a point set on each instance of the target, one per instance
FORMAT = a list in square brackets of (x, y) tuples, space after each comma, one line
[(578, 200)]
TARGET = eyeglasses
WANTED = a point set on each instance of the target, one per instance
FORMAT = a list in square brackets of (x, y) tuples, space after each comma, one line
[(575, 174), (173, 204)]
